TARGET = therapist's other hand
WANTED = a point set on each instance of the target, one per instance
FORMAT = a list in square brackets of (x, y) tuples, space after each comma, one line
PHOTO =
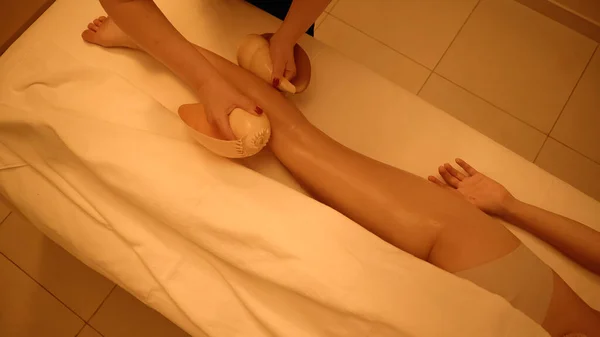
[(480, 190), (219, 98), (282, 55)]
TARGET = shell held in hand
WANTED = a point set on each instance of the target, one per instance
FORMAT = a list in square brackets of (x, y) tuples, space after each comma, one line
[(254, 55), (252, 132)]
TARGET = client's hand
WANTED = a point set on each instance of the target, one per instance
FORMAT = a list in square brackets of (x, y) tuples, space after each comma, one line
[(219, 99), (282, 55), (482, 191)]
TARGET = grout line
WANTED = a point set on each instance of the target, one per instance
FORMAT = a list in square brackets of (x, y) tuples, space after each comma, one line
[(91, 327), (563, 109), (101, 303), (448, 48), (6, 217), (98, 332), (425, 82), (38, 283), (80, 330), (540, 150), (379, 41), (492, 104), (574, 87), (572, 149), (456, 35)]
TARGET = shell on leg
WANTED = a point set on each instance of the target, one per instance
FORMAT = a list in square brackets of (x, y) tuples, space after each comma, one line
[(254, 55), (252, 132)]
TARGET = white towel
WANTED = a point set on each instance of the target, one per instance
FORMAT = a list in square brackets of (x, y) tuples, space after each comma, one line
[(214, 246)]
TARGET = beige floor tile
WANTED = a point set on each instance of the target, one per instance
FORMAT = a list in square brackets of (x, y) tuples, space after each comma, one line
[(71, 281), (484, 117), (27, 310), (571, 167), (4, 211), (579, 123), (376, 56), (122, 315), (88, 331), (517, 59), (419, 29)]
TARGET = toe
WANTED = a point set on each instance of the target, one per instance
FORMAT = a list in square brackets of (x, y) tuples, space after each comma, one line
[(88, 35), (102, 18), (92, 27), (97, 22)]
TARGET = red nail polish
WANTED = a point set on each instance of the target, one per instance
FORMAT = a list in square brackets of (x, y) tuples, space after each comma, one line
[(259, 110), (275, 82)]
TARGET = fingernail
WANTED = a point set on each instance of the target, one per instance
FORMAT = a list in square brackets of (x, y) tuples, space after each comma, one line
[(258, 110), (275, 82)]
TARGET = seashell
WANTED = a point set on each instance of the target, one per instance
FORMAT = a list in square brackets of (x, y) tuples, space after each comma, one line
[(252, 132), (253, 55)]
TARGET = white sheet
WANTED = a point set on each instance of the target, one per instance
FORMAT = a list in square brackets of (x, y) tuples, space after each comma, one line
[(254, 252), (115, 180)]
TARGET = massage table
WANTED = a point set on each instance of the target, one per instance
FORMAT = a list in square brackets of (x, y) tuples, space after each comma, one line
[(93, 154)]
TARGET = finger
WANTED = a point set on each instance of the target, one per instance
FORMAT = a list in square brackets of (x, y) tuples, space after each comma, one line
[(250, 106), (468, 168), (290, 71), (448, 178), (278, 70), (454, 172), (437, 181), (224, 127)]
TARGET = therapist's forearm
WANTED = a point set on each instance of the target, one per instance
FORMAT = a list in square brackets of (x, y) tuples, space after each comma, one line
[(151, 31), (302, 14)]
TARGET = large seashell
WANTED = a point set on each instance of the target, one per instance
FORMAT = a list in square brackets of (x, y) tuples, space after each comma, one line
[(253, 55), (252, 132)]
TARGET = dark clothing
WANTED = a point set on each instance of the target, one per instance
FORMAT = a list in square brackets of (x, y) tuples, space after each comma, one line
[(279, 9)]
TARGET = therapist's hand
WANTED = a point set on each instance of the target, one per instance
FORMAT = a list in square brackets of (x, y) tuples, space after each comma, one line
[(282, 55), (219, 98)]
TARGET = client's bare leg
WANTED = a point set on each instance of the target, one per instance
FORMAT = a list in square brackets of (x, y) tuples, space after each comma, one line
[(404, 210)]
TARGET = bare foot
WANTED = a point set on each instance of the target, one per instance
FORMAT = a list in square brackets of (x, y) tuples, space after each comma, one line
[(104, 32)]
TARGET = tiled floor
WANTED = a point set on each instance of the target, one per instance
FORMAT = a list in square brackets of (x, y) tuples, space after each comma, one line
[(45, 291), (522, 79)]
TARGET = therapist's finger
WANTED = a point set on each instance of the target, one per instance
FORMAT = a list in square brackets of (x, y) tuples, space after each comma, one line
[(290, 69), (247, 104), (224, 127), (448, 178), (278, 71)]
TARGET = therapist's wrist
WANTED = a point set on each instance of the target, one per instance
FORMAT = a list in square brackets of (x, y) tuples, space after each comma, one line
[(285, 37)]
